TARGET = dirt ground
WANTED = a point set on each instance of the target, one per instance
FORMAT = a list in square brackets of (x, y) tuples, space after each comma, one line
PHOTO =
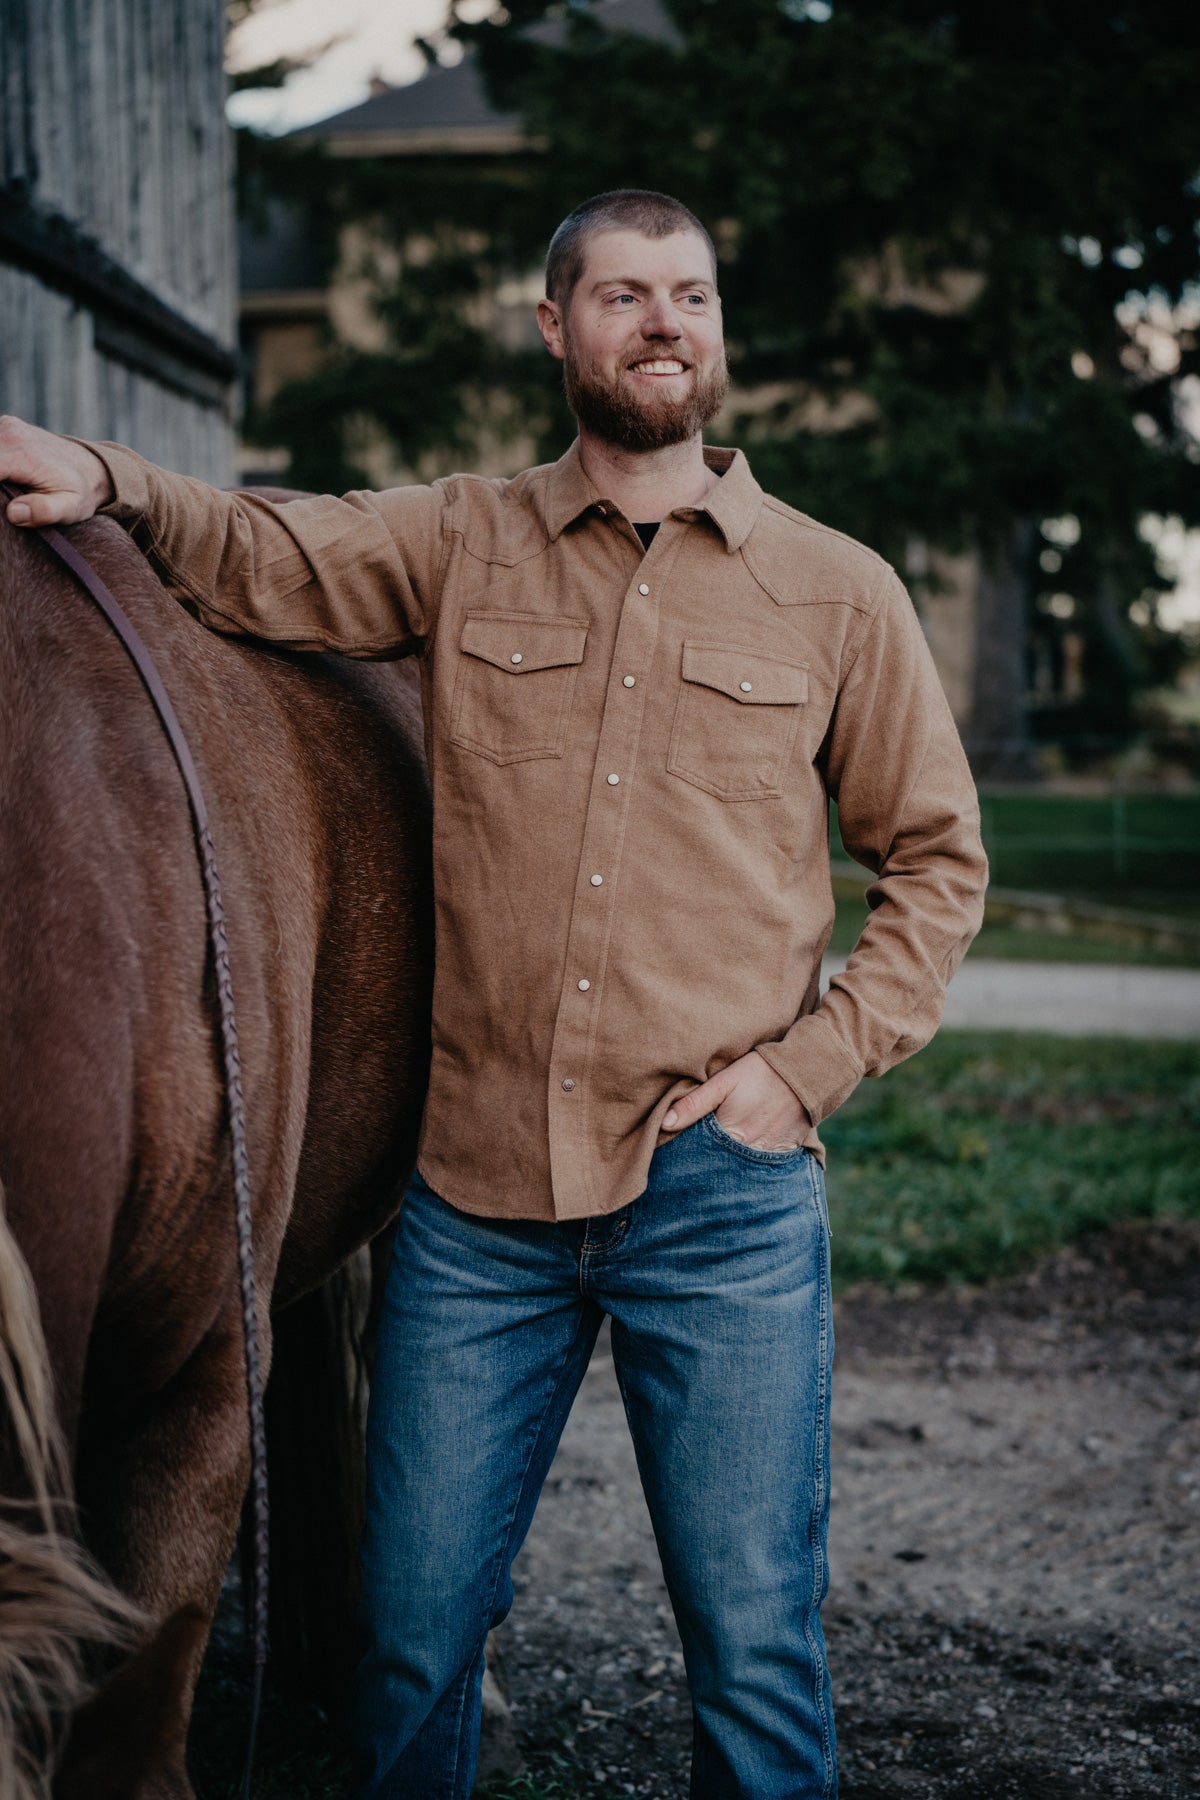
[(1015, 1551)]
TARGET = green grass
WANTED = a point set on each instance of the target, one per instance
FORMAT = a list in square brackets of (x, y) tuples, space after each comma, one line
[(990, 1149), (1009, 943)]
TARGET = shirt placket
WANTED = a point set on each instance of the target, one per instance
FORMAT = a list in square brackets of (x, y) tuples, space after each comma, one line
[(610, 798)]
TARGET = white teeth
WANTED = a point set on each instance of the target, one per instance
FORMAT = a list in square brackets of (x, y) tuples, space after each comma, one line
[(659, 368)]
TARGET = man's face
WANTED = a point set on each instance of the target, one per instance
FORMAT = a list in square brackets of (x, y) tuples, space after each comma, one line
[(640, 341)]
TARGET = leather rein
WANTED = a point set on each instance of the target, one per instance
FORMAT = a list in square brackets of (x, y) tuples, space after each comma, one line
[(64, 551)]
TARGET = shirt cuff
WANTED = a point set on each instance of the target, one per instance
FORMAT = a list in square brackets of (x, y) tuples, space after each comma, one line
[(812, 1061), (128, 473)]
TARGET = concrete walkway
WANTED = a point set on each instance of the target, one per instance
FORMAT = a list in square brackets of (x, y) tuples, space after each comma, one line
[(1070, 999)]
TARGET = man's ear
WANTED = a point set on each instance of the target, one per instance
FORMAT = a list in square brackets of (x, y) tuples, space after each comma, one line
[(550, 324)]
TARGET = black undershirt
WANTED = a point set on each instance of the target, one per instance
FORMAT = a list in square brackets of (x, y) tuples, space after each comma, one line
[(646, 533)]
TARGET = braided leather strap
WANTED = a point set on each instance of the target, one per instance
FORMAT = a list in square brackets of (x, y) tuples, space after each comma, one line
[(65, 552)]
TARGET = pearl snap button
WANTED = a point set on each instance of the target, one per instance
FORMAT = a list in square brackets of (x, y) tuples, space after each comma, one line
[(568, 1084), (745, 686), (597, 881), (628, 680), (642, 588), (516, 656), (584, 986), (612, 780)]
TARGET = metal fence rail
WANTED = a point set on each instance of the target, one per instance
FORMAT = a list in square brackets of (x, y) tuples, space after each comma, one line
[(1118, 839), (1140, 849)]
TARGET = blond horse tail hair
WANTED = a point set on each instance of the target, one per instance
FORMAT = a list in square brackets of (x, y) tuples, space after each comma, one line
[(54, 1601)]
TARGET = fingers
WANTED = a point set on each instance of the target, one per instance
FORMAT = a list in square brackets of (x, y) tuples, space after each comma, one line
[(703, 1099), (770, 1117), (43, 509), (67, 481), (18, 448)]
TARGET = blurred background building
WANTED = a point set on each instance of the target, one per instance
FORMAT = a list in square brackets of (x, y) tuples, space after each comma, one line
[(958, 253), (960, 281)]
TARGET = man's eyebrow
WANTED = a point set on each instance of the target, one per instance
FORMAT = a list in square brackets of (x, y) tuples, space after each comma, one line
[(631, 281)]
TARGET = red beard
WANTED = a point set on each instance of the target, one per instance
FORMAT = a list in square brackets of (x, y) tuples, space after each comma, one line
[(642, 421)]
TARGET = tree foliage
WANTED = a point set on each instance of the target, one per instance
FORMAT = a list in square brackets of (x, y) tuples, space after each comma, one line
[(942, 232)]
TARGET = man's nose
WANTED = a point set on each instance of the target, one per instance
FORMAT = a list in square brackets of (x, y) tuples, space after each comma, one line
[(660, 321)]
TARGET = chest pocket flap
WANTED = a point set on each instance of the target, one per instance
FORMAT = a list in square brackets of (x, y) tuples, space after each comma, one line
[(744, 675), (523, 642), (510, 721), (736, 752)]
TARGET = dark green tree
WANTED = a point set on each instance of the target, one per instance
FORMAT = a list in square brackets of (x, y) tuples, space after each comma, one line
[(942, 229)]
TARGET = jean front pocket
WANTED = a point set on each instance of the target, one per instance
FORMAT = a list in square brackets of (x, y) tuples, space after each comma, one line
[(727, 1140), (736, 719), (516, 677)]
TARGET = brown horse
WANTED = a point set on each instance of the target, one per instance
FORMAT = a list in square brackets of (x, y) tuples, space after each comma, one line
[(114, 1157)]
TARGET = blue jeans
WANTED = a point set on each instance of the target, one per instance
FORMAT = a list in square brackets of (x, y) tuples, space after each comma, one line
[(717, 1281)]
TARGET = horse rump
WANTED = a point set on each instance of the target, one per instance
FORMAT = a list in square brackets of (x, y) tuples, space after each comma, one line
[(55, 1603)]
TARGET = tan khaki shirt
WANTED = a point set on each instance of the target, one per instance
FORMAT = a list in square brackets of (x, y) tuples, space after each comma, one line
[(632, 755)]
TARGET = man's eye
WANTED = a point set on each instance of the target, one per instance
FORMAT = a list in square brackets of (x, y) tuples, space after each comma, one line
[(696, 299)]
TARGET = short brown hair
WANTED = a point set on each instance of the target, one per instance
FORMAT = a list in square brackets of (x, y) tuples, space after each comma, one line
[(634, 209)]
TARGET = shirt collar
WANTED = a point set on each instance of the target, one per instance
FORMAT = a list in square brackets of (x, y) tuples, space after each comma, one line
[(733, 505)]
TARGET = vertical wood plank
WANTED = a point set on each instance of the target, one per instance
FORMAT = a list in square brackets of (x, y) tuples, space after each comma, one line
[(112, 115)]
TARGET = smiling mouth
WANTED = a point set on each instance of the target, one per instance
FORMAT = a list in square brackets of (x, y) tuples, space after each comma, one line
[(659, 366)]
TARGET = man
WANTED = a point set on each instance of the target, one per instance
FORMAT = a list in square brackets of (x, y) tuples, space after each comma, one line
[(642, 679)]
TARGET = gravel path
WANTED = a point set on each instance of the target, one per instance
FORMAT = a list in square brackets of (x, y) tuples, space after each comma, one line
[(1070, 999)]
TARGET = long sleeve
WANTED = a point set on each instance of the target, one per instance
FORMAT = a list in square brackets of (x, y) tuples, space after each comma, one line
[(908, 810), (358, 575)]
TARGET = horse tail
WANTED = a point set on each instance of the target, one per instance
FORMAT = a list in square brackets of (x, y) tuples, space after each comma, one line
[(315, 1416), (53, 1600)]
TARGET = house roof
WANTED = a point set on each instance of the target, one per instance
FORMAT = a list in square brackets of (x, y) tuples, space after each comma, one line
[(447, 102), (448, 110), (636, 18)]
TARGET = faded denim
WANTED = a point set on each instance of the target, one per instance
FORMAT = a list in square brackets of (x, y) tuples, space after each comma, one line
[(717, 1281)]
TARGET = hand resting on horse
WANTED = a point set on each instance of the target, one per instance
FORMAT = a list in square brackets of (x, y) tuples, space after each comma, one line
[(69, 483)]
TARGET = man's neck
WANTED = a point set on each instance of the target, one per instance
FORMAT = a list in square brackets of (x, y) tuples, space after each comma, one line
[(647, 484)]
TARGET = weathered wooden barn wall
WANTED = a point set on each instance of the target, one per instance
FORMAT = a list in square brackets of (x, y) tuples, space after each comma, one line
[(117, 272)]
